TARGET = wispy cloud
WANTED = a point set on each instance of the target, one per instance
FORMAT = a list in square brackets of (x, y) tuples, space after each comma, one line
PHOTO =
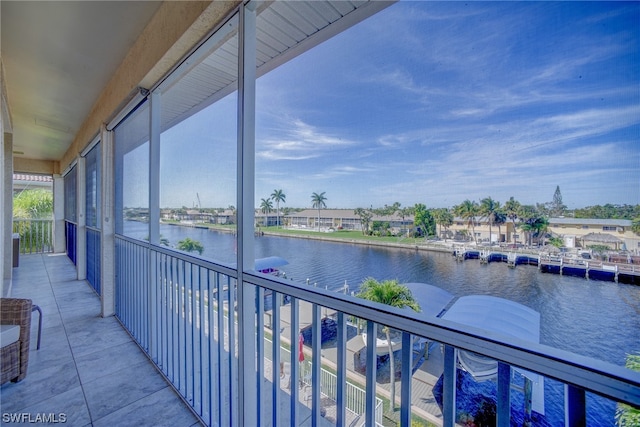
[(297, 140), (462, 101)]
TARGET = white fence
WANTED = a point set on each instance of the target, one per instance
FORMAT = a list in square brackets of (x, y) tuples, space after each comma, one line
[(356, 396)]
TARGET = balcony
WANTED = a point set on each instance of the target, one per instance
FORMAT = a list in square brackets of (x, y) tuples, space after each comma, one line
[(177, 307), (198, 336), (86, 365), (86, 362)]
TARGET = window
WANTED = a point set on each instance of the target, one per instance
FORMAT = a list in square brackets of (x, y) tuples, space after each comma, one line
[(132, 174), (609, 228), (70, 190), (198, 151), (93, 187)]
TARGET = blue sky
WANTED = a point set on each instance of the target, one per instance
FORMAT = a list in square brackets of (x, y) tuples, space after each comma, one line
[(437, 102)]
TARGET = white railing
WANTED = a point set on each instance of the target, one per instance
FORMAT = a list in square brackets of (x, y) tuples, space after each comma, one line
[(355, 396), (158, 300), (36, 235)]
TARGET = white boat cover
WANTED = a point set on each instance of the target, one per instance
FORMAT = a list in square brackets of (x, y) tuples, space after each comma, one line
[(432, 299), (496, 315), (500, 316)]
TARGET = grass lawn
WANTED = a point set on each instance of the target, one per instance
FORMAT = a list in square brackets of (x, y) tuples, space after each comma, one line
[(344, 234), (348, 235)]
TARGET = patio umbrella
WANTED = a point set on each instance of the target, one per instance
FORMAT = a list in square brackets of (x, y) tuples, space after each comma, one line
[(300, 348)]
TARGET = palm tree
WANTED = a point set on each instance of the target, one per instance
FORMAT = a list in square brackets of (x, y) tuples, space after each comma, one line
[(626, 415), (318, 201), (488, 208), (278, 196), (527, 229), (443, 218), (540, 226), (500, 218), (190, 245), (511, 209), (468, 210), (389, 292), (265, 207), (527, 215)]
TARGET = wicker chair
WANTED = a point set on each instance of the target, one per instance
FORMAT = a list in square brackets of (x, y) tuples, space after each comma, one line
[(14, 357)]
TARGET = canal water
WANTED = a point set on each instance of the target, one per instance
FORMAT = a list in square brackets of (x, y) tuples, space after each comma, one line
[(588, 317)]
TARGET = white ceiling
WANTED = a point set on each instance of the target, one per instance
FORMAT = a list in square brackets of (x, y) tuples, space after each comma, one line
[(58, 56)]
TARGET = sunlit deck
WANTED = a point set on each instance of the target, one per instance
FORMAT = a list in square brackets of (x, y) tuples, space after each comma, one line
[(88, 367)]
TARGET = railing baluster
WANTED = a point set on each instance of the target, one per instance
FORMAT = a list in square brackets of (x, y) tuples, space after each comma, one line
[(191, 326), (295, 379), (182, 342), (575, 406), (316, 340), (449, 387), (260, 350), (275, 360), (233, 377), (372, 359), (341, 417), (503, 412), (173, 334), (163, 314), (405, 385), (221, 409), (202, 275)]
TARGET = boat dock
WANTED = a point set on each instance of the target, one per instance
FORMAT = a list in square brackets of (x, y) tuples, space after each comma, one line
[(612, 271), (590, 269), (423, 380)]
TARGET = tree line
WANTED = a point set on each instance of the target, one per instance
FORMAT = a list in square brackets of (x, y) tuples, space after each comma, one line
[(533, 220)]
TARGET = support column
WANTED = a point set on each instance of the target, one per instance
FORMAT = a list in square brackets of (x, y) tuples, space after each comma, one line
[(247, 377), (81, 233), (155, 106), (59, 242), (154, 168), (7, 194), (5, 124), (3, 288), (107, 224)]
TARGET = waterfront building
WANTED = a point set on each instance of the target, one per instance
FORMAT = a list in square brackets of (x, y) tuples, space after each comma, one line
[(616, 234), (268, 220), (97, 95), (462, 230), (344, 219)]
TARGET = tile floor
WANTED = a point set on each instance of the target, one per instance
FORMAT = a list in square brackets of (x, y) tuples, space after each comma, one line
[(88, 368)]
